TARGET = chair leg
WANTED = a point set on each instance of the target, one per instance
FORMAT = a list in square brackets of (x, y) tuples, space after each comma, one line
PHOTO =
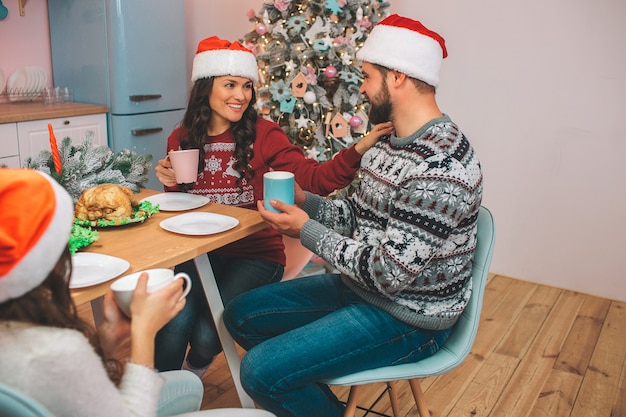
[(419, 398), (352, 398), (393, 398)]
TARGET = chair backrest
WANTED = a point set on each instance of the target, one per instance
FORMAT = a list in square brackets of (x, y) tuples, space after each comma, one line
[(464, 331), (461, 339), (16, 404)]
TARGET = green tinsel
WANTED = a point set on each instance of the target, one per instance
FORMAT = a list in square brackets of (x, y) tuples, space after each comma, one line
[(140, 213), (81, 237)]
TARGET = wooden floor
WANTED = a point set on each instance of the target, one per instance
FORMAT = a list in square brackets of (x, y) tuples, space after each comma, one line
[(540, 352)]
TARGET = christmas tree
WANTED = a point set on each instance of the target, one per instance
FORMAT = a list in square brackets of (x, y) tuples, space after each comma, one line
[(309, 75)]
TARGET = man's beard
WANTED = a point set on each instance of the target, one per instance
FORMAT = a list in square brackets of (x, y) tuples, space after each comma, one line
[(380, 106)]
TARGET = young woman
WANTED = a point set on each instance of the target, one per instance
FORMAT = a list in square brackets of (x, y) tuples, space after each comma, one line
[(236, 149)]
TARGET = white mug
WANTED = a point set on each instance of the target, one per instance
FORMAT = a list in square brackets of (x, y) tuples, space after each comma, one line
[(124, 287)]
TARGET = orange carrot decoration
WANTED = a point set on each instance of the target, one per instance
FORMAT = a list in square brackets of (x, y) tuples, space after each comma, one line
[(56, 157)]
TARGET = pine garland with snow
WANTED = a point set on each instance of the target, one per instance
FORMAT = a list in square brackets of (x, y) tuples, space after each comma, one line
[(86, 165)]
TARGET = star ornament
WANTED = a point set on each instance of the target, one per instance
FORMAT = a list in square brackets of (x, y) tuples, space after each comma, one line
[(312, 153), (290, 65), (328, 41), (302, 122), (278, 29), (347, 58)]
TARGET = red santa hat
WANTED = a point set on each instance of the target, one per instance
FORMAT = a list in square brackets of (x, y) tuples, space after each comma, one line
[(36, 216), (405, 45), (216, 57)]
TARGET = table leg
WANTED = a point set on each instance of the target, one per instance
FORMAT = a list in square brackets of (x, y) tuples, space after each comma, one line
[(217, 310), (97, 310)]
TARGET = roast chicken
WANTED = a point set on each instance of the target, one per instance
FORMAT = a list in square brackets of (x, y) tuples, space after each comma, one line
[(105, 201)]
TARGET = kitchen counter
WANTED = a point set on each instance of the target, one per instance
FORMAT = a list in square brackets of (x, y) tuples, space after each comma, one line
[(24, 127), (36, 110)]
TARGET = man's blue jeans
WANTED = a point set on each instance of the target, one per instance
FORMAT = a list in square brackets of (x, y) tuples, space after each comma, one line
[(302, 331), (194, 324)]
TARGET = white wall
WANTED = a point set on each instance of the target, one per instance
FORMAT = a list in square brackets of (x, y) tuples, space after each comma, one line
[(540, 89)]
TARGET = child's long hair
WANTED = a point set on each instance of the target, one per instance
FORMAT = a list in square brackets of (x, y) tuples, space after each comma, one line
[(51, 304)]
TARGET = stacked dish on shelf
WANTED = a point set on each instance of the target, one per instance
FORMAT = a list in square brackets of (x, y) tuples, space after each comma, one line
[(26, 83)]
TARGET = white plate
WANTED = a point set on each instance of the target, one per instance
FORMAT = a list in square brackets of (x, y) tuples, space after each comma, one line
[(17, 84), (199, 223), (31, 79), (37, 81), (93, 268), (177, 201)]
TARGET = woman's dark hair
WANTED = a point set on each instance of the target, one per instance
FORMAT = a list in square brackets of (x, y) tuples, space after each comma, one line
[(51, 304), (196, 122)]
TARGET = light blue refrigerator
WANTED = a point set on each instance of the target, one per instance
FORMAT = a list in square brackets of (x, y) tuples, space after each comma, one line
[(130, 56)]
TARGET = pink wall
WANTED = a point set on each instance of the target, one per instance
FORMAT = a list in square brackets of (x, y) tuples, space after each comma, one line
[(25, 40)]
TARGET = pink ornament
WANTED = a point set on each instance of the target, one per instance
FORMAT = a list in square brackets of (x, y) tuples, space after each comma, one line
[(282, 5), (330, 71), (355, 121), (261, 29)]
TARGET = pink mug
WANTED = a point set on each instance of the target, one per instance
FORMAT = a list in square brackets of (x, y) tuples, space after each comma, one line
[(185, 165)]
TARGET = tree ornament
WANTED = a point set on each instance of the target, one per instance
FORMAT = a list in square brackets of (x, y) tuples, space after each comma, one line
[(282, 5), (339, 126), (330, 71), (333, 6), (288, 104), (362, 129), (302, 121), (312, 153), (320, 45), (355, 121), (298, 85), (309, 97), (319, 26), (261, 29)]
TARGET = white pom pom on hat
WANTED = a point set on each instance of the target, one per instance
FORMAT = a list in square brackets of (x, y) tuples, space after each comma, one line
[(216, 57), (405, 45), (36, 216)]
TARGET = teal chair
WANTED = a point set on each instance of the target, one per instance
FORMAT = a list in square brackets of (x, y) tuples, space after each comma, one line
[(16, 404), (233, 412), (451, 354)]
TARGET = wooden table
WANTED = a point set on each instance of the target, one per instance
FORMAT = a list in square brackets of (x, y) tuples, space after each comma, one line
[(148, 246)]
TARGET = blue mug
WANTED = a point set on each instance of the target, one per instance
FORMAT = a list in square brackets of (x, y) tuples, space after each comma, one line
[(278, 185)]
